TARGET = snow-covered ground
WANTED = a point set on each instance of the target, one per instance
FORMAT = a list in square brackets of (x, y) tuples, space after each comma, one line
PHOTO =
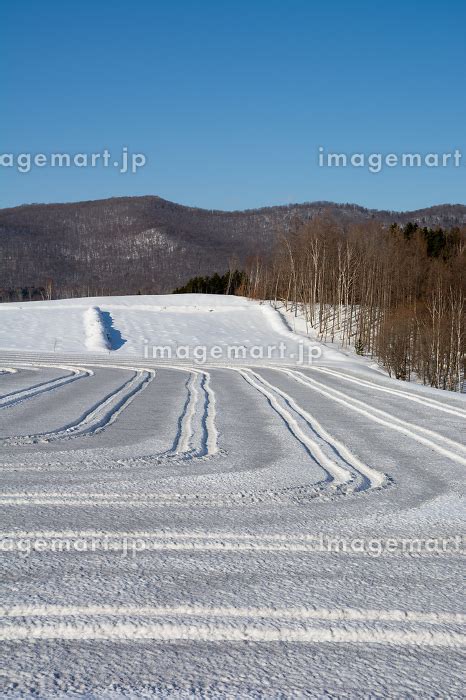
[(220, 525), (63, 326)]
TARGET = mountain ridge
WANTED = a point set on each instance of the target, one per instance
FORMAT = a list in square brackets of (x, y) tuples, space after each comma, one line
[(149, 244), (323, 202)]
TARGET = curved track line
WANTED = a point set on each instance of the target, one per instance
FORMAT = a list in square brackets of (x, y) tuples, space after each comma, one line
[(211, 442), (184, 442), (204, 433), (374, 478), (16, 397), (424, 400), (415, 432), (206, 428), (197, 435), (98, 418), (338, 474)]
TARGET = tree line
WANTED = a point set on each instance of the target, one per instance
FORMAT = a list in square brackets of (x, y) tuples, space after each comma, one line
[(395, 293), (229, 283)]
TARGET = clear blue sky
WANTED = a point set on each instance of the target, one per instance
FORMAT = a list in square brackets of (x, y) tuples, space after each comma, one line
[(231, 100)]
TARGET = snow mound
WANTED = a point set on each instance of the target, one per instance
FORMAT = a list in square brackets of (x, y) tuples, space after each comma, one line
[(96, 336)]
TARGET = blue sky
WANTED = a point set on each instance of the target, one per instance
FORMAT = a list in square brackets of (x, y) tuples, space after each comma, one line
[(229, 101)]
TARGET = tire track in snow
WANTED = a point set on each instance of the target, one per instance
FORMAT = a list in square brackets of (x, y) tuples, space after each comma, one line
[(272, 613), (210, 412), (334, 472), (424, 400), (99, 417), (333, 457), (429, 438), (16, 397), (197, 435), (183, 442), (371, 477), (291, 494), (249, 626)]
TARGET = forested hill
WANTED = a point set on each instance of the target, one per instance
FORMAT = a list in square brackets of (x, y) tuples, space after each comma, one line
[(147, 244)]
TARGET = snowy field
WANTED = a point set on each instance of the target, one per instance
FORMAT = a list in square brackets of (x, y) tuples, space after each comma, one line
[(252, 525)]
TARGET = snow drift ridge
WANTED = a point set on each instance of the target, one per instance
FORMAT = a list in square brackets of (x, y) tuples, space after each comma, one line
[(94, 328)]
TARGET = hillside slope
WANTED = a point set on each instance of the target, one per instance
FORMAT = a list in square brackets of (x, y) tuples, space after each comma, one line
[(132, 244)]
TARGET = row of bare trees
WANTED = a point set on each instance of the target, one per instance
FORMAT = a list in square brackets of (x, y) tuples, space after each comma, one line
[(397, 294)]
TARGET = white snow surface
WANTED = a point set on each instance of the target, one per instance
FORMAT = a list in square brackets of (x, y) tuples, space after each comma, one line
[(241, 527), (142, 322), (96, 337)]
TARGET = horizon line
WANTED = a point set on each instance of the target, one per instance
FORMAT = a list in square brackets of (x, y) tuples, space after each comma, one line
[(234, 211)]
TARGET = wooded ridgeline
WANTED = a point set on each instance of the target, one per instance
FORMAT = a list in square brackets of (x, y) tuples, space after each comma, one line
[(148, 245), (396, 293)]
